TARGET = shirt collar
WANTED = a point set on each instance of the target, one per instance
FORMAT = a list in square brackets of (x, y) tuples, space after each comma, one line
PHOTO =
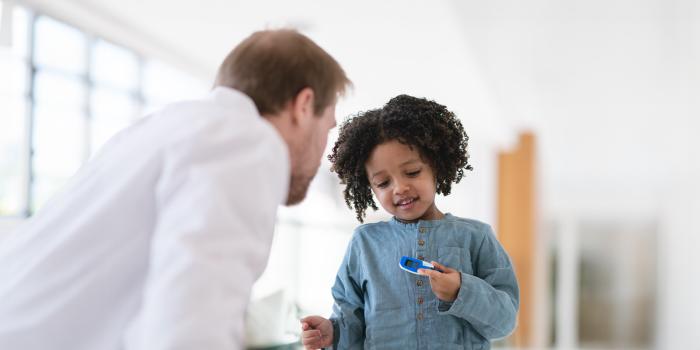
[(420, 223)]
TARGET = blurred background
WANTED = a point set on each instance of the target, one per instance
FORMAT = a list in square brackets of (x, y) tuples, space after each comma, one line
[(582, 117)]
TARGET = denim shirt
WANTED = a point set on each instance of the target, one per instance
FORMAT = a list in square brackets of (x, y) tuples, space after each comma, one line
[(379, 306)]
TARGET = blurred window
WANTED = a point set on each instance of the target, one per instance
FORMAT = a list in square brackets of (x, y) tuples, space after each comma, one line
[(64, 94)]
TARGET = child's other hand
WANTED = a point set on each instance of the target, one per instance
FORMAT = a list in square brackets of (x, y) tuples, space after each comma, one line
[(317, 332), (444, 284)]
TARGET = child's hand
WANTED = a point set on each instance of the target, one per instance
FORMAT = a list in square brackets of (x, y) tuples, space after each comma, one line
[(317, 332), (444, 284)]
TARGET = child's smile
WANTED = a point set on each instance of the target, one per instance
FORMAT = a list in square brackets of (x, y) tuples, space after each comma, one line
[(406, 203)]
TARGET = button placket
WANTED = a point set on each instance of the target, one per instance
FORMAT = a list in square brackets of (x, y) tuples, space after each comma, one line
[(420, 281), (421, 250)]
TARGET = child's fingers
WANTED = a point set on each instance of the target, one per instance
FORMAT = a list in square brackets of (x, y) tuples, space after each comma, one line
[(313, 346), (438, 265), (313, 343), (430, 273), (311, 337), (442, 267), (312, 321), (307, 319), (311, 333), (304, 326)]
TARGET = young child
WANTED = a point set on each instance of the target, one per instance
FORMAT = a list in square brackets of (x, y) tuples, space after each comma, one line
[(404, 153)]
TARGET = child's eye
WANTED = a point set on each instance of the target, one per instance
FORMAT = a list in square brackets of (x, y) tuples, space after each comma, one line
[(383, 184), (413, 173)]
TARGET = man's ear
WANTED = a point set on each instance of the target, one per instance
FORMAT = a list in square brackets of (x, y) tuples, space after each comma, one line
[(303, 106)]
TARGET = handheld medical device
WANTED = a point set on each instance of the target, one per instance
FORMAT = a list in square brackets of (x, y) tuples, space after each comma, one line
[(412, 265)]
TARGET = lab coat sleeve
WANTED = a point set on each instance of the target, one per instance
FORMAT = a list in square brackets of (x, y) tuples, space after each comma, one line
[(489, 299), (348, 310), (216, 205)]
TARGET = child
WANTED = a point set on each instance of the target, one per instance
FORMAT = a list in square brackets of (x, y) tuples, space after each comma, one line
[(404, 153)]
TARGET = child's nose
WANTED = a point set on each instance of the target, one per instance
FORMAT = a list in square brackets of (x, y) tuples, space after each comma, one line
[(400, 187)]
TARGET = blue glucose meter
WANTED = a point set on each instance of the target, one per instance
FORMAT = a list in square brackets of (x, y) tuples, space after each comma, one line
[(412, 265)]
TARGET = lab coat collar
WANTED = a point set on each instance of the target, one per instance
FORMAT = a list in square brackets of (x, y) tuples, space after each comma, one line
[(234, 99)]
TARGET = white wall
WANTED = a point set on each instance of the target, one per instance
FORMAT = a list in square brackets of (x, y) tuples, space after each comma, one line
[(610, 87), (680, 262), (605, 84)]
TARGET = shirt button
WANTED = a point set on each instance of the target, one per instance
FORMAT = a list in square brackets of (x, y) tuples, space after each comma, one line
[(420, 300), (419, 283), (422, 230), (420, 316), (421, 242), (420, 257)]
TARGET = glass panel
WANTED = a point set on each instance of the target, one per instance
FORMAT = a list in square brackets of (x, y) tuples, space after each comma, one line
[(13, 154), (59, 46), (59, 90), (59, 147), (111, 112), (115, 66)]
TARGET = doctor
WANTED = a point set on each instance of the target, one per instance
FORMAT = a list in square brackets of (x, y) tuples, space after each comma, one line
[(155, 243)]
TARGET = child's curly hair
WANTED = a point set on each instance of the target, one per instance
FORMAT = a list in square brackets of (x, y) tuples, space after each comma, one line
[(417, 122)]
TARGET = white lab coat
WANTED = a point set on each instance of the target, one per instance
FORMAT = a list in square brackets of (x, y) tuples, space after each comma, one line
[(156, 242)]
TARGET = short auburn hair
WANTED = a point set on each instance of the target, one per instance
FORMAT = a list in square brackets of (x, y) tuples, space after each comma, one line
[(273, 66)]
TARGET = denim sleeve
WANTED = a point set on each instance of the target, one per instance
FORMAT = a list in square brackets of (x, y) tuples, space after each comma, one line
[(348, 310), (489, 299)]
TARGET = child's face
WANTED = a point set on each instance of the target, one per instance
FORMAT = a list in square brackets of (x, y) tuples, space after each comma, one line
[(403, 183)]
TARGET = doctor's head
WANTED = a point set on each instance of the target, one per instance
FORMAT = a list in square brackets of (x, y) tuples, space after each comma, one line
[(295, 85)]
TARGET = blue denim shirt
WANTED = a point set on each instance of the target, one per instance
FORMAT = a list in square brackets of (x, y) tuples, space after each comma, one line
[(380, 306)]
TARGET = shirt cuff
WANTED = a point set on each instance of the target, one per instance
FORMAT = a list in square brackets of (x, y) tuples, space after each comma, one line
[(444, 307), (336, 333)]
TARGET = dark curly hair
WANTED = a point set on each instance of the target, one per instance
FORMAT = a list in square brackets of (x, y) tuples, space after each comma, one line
[(433, 130)]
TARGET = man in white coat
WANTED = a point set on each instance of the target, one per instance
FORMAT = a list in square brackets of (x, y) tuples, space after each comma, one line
[(155, 243)]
